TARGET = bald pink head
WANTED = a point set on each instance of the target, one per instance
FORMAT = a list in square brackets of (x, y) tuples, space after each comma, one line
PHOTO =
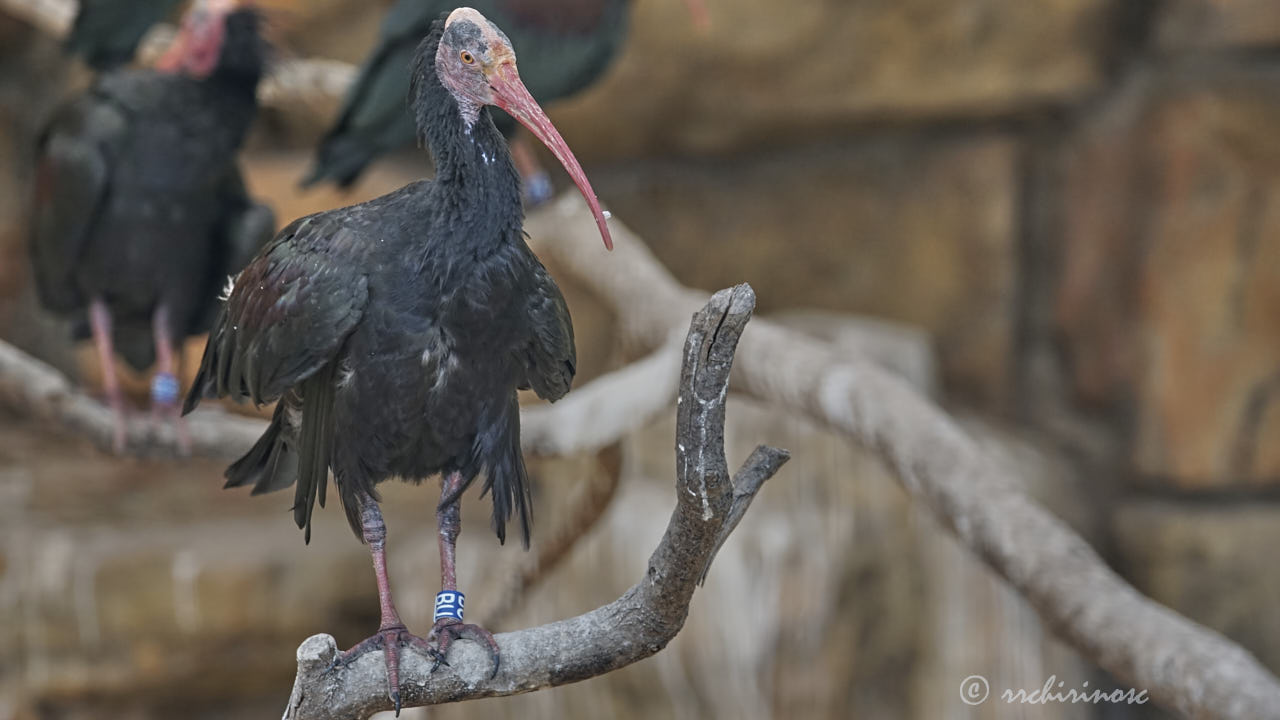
[(196, 49), (477, 64)]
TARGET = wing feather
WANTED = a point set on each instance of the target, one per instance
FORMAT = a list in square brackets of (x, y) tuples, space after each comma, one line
[(288, 314), (550, 358)]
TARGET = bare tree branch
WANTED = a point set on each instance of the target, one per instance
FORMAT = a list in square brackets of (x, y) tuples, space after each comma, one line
[(37, 390), (760, 466), (633, 627), (1183, 665)]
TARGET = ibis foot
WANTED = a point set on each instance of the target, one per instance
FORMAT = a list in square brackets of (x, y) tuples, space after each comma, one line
[(447, 630), (390, 640)]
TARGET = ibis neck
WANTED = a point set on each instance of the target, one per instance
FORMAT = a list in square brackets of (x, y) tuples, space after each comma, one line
[(475, 178)]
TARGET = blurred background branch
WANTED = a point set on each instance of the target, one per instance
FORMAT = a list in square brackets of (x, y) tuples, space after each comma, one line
[(1183, 665)]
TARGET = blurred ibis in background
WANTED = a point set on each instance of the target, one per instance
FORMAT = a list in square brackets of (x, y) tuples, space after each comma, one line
[(564, 45), (140, 212), (395, 333), (106, 33)]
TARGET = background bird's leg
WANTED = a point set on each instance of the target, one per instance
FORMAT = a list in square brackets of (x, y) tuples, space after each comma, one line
[(536, 186), (449, 628), (165, 386), (100, 325), (392, 633)]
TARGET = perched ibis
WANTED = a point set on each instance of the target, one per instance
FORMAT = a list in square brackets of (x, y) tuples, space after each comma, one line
[(396, 332), (106, 33), (140, 212), (565, 45)]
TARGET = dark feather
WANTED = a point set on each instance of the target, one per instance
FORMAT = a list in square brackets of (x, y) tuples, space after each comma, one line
[(106, 33), (139, 201)]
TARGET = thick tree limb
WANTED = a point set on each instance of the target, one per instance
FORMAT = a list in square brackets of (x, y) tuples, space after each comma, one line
[(1183, 665), (633, 627)]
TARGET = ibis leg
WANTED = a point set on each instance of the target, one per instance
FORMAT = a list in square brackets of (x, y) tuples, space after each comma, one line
[(536, 186), (392, 634), (100, 326), (164, 386), (449, 628)]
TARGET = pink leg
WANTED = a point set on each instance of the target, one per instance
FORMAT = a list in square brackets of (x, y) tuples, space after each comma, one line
[(165, 386), (392, 634), (448, 629), (100, 325)]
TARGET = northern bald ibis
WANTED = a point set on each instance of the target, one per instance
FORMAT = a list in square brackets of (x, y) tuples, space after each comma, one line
[(565, 45), (395, 333), (140, 212)]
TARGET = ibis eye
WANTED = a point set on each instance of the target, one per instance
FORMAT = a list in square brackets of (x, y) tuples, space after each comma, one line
[(467, 57)]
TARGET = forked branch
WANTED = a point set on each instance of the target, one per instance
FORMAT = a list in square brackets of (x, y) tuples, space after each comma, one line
[(631, 628)]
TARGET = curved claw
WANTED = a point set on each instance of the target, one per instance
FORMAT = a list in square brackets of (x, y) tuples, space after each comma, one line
[(389, 640), (447, 630)]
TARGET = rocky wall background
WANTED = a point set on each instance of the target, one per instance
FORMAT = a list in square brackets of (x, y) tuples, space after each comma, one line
[(1073, 205)]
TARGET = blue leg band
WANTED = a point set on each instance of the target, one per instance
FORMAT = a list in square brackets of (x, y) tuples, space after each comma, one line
[(537, 189), (449, 604), (164, 389)]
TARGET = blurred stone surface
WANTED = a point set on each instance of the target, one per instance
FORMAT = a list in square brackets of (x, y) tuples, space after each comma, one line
[(920, 231), (1210, 563), (1205, 24), (769, 71), (1169, 301)]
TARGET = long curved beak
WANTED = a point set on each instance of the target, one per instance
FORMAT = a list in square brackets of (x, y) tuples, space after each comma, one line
[(511, 95)]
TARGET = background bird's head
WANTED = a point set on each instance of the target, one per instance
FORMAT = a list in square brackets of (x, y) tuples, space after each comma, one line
[(217, 35)]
